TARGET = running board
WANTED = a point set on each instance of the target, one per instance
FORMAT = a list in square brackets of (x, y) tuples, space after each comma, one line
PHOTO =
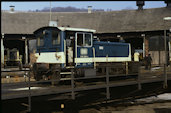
[(65, 79), (66, 73)]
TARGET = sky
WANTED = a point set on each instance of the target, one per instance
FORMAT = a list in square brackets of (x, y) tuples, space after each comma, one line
[(114, 5)]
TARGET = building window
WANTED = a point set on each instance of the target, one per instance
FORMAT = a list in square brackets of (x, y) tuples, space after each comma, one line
[(55, 38)]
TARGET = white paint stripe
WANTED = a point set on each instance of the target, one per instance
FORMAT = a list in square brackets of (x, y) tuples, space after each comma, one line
[(50, 57), (102, 59), (26, 88)]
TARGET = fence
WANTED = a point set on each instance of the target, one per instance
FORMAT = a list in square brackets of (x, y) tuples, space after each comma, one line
[(132, 77)]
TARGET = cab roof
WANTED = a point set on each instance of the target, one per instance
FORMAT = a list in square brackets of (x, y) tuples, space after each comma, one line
[(76, 29), (66, 29)]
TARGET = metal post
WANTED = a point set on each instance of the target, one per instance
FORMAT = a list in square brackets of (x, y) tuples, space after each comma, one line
[(2, 50), (169, 49), (146, 45), (165, 70), (26, 52), (143, 35), (94, 56), (29, 96), (139, 78), (144, 49), (126, 63), (72, 84), (107, 83)]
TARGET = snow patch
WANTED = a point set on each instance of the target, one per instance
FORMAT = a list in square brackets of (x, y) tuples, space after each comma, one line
[(165, 96), (26, 88)]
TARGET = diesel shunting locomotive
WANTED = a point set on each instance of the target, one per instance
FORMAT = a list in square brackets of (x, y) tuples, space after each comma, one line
[(61, 48)]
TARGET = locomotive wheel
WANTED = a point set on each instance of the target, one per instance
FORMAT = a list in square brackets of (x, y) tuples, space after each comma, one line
[(45, 77), (37, 76), (56, 76)]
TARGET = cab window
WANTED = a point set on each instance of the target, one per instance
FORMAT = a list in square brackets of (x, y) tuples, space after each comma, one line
[(40, 40), (80, 39), (84, 39), (87, 39), (55, 38)]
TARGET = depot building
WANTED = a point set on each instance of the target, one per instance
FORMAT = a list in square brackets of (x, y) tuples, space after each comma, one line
[(140, 27)]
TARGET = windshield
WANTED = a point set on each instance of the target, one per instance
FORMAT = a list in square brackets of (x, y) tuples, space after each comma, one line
[(55, 37), (40, 40)]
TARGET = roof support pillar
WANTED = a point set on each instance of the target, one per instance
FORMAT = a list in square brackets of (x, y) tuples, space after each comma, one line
[(2, 50), (146, 43), (26, 50)]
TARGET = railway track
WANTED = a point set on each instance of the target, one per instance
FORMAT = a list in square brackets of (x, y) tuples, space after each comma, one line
[(87, 100)]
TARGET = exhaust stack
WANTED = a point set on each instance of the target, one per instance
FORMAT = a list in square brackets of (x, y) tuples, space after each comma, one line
[(12, 8), (140, 4), (89, 9)]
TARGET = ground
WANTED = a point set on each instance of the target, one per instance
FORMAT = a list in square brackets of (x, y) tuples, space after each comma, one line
[(146, 108)]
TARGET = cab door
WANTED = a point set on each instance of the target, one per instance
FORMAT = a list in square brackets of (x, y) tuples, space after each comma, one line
[(70, 51), (83, 49)]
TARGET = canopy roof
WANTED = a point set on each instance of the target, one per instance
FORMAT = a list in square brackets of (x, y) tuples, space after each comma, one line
[(102, 22)]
